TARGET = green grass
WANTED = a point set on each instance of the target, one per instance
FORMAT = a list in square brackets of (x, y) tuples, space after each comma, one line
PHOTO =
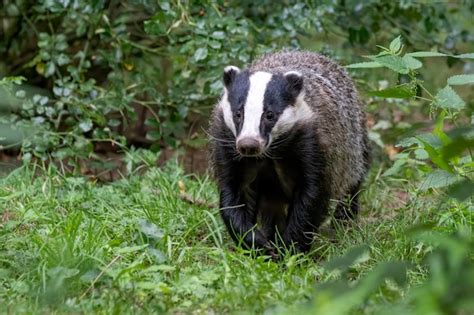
[(72, 245)]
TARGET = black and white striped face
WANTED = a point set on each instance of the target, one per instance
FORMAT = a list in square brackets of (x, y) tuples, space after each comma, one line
[(259, 107)]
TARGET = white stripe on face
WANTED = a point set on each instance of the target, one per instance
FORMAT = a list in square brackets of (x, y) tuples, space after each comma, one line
[(227, 112), (253, 108), (299, 112)]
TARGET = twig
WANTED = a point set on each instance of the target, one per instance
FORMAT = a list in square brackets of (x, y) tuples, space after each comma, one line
[(99, 276), (196, 201)]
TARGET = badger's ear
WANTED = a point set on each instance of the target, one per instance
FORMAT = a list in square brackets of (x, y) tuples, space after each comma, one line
[(230, 73), (294, 80)]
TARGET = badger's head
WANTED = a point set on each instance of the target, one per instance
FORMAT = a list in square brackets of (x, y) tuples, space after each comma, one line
[(260, 107)]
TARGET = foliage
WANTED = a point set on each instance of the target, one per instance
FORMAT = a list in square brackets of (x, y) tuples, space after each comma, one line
[(445, 153), (447, 290), (139, 72), (78, 74), (72, 245)]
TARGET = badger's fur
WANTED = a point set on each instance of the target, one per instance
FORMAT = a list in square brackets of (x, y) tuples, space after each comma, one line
[(287, 136)]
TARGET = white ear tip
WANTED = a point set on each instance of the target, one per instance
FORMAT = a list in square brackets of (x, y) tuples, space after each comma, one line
[(296, 73), (231, 68)]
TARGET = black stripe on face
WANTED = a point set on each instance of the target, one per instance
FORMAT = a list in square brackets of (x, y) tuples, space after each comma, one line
[(237, 96), (276, 99)]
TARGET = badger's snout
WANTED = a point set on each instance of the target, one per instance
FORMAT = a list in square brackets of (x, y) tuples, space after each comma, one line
[(250, 146)]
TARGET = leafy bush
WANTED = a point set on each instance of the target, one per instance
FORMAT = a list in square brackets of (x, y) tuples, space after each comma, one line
[(140, 72), (444, 154)]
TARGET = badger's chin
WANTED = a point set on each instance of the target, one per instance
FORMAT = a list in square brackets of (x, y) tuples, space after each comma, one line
[(255, 156)]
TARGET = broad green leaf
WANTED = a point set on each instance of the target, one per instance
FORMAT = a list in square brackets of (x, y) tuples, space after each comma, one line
[(153, 135), (395, 168), (85, 125), (396, 45), (376, 137), (408, 142), (50, 69), (457, 147), (438, 179), (423, 54), (436, 156), (353, 256), (465, 56), (368, 64), (462, 190), (412, 62), (399, 91), (218, 35), (438, 129), (396, 63), (395, 270), (421, 154), (461, 79), (151, 230), (431, 139), (131, 249), (62, 272), (200, 54), (448, 98)]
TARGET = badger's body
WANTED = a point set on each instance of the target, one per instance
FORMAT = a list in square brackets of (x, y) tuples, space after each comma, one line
[(287, 136)]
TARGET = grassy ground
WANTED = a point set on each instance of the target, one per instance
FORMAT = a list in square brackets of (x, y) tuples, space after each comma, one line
[(68, 244)]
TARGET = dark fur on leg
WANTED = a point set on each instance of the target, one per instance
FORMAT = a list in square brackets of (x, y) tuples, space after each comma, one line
[(348, 209), (310, 200)]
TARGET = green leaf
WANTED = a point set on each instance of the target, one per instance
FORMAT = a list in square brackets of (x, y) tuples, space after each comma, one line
[(465, 56), (421, 154), (396, 45), (151, 230), (457, 146), (200, 54), (395, 270), (50, 69), (412, 63), (438, 179), (365, 65), (218, 35), (436, 156), (63, 60), (395, 168), (12, 80), (408, 142), (461, 79), (399, 91), (131, 249), (354, 255), (448, 98), (423, 54), (462, 190), (153, 135), (85, 125), (396, 63)]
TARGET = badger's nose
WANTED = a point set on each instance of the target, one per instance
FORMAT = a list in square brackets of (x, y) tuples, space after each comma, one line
[(249, 146)]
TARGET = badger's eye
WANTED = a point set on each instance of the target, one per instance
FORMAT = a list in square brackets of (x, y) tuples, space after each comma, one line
[(270, 115), (238, 114)]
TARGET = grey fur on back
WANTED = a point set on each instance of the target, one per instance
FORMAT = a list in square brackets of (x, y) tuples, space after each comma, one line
[(339, 119)]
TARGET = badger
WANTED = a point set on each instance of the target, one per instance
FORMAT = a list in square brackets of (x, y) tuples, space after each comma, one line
[(287, 136)]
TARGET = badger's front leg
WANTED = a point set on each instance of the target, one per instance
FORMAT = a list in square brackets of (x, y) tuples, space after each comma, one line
[(310, 199), (240, 218), (237, 200), (305, 214)]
